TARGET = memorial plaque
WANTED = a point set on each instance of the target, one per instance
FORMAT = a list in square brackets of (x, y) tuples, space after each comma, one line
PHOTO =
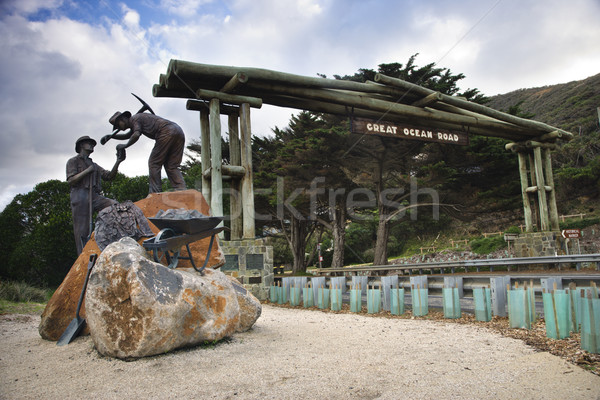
[(231, 263), (255, 261)]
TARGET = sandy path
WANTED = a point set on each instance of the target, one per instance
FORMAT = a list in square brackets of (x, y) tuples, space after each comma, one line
[(292, 354)]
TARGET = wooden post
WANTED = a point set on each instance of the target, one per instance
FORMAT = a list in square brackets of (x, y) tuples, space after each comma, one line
[(216, 180), (542, 199), (235, 197), (536, 205), (205, 152), (247, 185), (552, 194), (525, 195)]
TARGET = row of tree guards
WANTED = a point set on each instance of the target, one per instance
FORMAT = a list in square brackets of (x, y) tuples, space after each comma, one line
[(573, 310), (214, 90)]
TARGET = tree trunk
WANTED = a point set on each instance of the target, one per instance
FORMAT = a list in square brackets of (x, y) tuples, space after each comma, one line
[(383, 229), (339, 236), (383, 232), (298, 244)]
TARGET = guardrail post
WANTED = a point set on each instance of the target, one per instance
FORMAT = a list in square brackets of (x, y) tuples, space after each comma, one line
[(498, 290), (420, 280), (317, 282), (338, 281), (548, 283), (287, 282), (455, 281), (388, 282), (362, 281)]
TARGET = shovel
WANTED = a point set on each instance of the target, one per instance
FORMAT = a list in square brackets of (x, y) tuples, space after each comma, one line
[(77, 323)]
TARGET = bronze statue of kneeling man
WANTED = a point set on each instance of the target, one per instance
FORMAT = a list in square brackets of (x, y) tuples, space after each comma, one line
[(167, 152), (84, 177)]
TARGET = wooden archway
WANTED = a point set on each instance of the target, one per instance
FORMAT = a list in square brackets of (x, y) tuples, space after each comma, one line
[(215, 89)]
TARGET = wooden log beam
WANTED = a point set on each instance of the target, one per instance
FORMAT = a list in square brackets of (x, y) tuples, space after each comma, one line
[(198, 105), (229, 98), (385, 107), (534, 189), (235, 171), (467, 105), (325, 107), (236, 80), (428, 100), (549, 136), (159, 91), (196, 71), (528, 145)]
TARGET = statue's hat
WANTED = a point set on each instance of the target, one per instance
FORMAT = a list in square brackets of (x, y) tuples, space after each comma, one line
[(115, 118), (83, 139)]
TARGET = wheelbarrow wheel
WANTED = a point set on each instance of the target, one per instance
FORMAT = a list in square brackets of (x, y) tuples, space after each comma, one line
[(171, 256)]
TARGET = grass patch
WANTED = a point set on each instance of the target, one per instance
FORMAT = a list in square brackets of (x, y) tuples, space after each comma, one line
[(22, 292), (12, 307)]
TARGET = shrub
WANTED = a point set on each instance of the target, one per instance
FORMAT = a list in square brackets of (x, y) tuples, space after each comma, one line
[(513, 229), (487, 245)]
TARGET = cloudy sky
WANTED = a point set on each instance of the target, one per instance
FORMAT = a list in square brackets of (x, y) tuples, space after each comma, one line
[(67, 65)]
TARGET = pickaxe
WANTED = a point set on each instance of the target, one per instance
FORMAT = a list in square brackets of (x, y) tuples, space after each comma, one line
[(145, 107)]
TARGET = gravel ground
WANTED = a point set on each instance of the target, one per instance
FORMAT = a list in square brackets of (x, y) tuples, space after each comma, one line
[(296, 353)]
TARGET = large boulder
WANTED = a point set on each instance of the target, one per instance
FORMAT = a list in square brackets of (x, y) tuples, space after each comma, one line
[(137, 308), (60, 310)]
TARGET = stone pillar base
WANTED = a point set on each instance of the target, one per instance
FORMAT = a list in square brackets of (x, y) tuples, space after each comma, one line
[(251, 262), (538, 244)]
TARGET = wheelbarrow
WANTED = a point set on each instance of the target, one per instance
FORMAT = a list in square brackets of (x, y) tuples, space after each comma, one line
[(177, 233)]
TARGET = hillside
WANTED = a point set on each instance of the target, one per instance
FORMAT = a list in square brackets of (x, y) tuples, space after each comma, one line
[(570, 106), (573, 107)]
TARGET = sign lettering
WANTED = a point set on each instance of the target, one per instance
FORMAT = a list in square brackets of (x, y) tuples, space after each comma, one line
[(571, 233), (410, 132)]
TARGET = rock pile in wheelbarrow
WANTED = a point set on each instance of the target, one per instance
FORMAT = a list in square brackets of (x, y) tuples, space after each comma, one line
[(60, 310), (137, 307)]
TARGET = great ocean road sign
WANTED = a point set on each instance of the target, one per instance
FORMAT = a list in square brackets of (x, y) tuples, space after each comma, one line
[(411, 132)]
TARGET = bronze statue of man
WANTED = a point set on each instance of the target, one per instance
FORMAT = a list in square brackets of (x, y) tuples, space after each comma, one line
[(167, 151), (84, 176)]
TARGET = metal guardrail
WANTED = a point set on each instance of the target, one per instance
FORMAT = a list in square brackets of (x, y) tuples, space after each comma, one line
[(466, 264)]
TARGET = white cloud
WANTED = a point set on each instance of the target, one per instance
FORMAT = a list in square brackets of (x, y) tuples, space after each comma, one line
[(63, 78)]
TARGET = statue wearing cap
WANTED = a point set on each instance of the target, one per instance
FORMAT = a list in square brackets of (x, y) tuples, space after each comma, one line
[(168, 149), (84, 177)]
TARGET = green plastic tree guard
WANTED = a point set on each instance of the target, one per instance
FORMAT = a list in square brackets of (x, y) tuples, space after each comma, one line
[(590, 322), (307, 296), (397, 301), (273, 293), (451, 303), (336, 298), (519, 309), (373, 300), (557, 314), (356, 299), (483, 304), (322, 298), (295, 293), (420, 301)]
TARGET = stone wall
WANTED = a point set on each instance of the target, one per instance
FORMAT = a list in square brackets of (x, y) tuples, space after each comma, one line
[(251, 262), (538, 244)]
